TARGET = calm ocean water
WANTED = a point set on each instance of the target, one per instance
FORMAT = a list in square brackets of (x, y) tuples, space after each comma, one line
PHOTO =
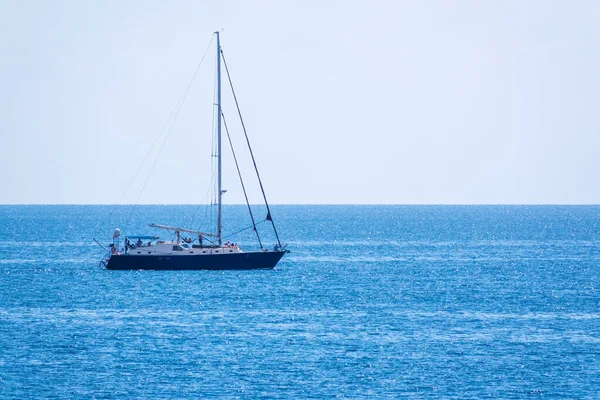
[(374, 301)]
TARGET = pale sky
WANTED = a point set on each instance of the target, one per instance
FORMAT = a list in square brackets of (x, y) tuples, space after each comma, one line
[(394, 102)]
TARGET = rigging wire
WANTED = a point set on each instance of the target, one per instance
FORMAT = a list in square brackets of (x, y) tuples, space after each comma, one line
[(241, 180), (203, 202), (176, 111), (269, 217), (244, 229), (209, 199), (177, 106)]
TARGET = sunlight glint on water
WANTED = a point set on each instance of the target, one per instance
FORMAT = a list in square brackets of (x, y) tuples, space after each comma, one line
[(373, 301)]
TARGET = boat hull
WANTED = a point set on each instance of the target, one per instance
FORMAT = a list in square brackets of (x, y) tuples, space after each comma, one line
[(233, 261)]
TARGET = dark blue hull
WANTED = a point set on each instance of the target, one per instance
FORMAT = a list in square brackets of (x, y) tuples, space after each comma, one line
[(234, 261)]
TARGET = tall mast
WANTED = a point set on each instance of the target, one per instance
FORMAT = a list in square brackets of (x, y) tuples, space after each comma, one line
[(220, 192)]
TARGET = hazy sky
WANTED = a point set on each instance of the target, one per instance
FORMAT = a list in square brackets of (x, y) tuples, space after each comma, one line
[(345, 102)]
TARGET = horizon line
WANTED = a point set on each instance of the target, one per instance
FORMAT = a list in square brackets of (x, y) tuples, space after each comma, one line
[(305, 204)]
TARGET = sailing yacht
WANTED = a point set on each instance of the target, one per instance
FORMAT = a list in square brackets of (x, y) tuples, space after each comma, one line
[(204, 250)]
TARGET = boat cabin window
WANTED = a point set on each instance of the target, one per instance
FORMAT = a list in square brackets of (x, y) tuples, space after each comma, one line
[(177, 248)]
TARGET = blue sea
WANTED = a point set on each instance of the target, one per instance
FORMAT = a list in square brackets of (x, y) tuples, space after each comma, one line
[(452, 302)]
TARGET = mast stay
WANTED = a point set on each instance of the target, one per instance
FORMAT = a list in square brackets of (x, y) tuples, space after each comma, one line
[(269, 216), (237, 166)]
